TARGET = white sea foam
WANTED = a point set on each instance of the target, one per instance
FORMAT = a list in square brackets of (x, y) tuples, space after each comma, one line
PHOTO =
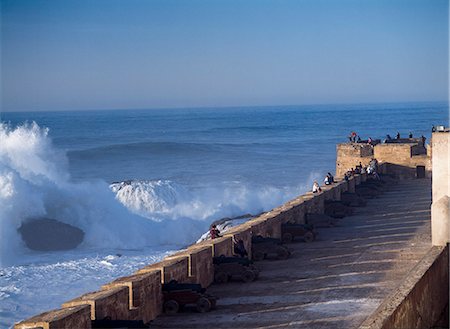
[(34, 182)]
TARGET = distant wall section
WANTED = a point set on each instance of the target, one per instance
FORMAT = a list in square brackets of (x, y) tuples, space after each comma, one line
[(404, 158)]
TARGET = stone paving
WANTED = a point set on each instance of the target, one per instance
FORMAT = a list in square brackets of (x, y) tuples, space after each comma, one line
[(336, 281)]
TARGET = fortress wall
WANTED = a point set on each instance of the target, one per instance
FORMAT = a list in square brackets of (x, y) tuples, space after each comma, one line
[(174, 267), (402, 158), (392, 153), (421, 301), (67, 318), (139, 296), (349, 155), (145, 295), (201, 269), (220, 246), (110, 303)]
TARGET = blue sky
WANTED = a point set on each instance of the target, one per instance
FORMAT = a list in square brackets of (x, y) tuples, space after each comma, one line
[(110, 54)]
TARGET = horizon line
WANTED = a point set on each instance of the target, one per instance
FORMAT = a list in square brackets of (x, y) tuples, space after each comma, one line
[(224, 106)]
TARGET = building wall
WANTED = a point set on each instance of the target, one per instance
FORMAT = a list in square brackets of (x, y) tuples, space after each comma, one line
[(441, 175)]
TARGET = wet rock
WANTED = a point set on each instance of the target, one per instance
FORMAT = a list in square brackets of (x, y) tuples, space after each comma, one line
[(46, 234)]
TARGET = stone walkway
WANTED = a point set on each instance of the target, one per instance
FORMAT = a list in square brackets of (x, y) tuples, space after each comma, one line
[(336, 281)]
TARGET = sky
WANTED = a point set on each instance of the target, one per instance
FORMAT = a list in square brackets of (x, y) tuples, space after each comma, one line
[(120, 54)]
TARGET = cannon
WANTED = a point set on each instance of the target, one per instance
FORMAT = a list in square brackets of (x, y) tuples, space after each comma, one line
[(367, 191), (227, 268), (268, 248), (353, 200), (177, 295), (291, 231), (337, 209)]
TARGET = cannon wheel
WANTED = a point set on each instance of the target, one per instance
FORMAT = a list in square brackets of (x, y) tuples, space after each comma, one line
[(221, 277), (259, 255), (287, 238), (309, 237), (282, 253), (171, 307), (203, 305), (248, 276)]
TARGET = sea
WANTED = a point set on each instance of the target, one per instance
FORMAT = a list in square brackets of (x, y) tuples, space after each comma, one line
[(144, 183)]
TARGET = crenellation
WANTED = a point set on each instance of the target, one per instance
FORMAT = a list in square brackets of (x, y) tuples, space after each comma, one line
[(139, 296)]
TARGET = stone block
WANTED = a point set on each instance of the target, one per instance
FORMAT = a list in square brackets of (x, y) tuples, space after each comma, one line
[(66, 318), (112, 304), (171, 268), (200, 265), (145, 294)]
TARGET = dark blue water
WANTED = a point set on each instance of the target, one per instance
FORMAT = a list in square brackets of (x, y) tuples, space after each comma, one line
[(189, 167), (278, 146)]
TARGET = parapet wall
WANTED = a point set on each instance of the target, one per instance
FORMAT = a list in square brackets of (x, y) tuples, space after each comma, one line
[(349, 155), (138, 297), (421, 301), (402, 158)]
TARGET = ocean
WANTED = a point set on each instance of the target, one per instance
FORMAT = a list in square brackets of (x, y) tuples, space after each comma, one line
[(144, 183)]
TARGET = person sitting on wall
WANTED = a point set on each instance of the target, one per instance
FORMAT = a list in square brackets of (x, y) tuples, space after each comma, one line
[(346, 177), (214, 232), (410, 135), (327, 180), (358, 140), (363, 170), (398, 135), (388, 137), (331, 178), (369, 141), (239, 248), (316, 187)]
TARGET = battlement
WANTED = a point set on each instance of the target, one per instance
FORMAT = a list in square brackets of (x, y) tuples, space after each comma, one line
[(139, 298), (405, 158)]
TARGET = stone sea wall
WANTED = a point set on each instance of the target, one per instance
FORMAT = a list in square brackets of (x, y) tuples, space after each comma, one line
[(139, 297)]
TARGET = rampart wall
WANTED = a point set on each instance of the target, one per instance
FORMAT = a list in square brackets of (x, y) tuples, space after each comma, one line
[(401, 159), (421, 301), (138, 297)]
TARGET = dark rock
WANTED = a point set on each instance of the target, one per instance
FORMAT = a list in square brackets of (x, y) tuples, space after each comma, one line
[(46, 234)]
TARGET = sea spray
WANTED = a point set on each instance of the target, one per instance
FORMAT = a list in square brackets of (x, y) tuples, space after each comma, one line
[(34, 183), (164, 200)]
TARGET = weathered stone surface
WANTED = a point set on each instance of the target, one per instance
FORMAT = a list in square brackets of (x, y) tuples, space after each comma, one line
[(145, 294), (171, 268), (66, 318), (420, 300), (111, 304), (336, 281)]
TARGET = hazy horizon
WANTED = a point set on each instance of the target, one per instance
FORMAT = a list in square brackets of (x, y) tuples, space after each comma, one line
[(325, 105), (84, 55)]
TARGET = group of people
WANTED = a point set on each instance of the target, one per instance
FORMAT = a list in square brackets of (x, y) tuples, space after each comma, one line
[(355, 138), (370, 169), (328, 180)]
